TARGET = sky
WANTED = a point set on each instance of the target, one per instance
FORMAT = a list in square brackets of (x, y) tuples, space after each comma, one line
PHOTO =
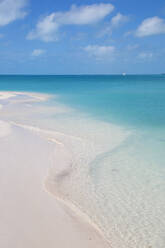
[(82, 37)]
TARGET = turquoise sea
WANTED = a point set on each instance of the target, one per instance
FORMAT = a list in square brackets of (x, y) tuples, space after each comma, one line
[(127, 196), (134, 100)]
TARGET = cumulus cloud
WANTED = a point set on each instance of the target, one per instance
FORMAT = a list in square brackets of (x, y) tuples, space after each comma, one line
[(47, 28), (11, 10), (37, 52), (151, 26), (100, 51)]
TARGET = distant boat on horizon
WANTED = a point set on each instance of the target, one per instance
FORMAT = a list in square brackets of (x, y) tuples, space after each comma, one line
[(124, 74)]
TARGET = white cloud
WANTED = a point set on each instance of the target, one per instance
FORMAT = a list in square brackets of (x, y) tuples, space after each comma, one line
[(37, 52), (145, 55), (10, 10), (85, 14), (46, 29), (100, 51), (118, 20), (151, 26)]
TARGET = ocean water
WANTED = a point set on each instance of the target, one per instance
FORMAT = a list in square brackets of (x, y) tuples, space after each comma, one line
[(119, 162)]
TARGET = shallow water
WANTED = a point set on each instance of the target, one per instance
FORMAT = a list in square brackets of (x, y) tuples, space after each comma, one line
[(117, 171)]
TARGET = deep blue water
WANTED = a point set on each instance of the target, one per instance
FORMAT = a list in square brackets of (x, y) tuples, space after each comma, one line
[(134, 100)]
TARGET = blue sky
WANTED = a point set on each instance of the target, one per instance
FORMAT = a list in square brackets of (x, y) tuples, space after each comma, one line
[(82, 37)]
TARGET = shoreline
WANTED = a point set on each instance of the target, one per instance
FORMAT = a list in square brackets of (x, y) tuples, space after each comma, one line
[(83, 220), (92, 236), (70, 205), (76, 211)]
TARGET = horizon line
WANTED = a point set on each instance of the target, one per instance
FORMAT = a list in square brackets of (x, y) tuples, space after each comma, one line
[(82, 74)]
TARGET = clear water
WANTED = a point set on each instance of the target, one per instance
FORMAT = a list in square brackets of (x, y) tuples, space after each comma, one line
[(127, 196), (132, 100)]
